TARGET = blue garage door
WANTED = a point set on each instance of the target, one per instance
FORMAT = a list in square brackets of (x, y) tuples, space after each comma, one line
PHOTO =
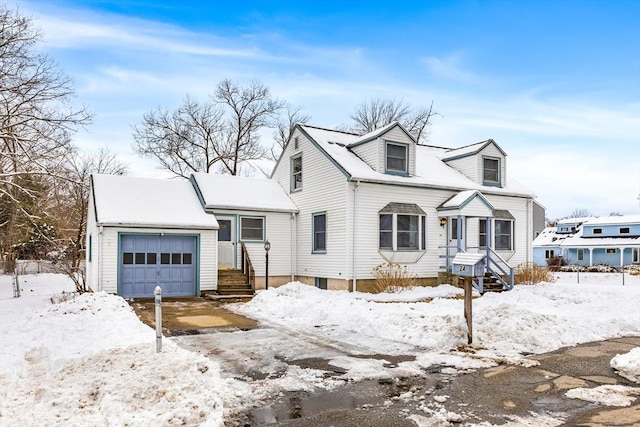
[(147, 261)]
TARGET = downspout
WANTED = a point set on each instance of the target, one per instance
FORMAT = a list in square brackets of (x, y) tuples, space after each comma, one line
[(293, 246), (529, 229), (354, 222), (100, 259)]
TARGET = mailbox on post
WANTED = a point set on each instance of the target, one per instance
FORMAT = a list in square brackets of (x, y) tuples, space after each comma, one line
[(468, 265)]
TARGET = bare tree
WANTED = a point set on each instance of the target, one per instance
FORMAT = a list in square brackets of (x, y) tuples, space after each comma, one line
[(184, 140), (36, 120), (69, 203), (199, 136), (378, 112), (580, 213), (285, 127), (252, 108)]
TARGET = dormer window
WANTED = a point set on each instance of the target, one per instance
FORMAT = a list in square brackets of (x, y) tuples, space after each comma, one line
[(397, 158), (491, 171)]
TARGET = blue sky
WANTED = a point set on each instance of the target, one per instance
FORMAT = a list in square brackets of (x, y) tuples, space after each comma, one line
[(555, 83)]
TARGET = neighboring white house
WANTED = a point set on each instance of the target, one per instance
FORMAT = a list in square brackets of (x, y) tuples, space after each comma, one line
[(612, 240), (339, 204)]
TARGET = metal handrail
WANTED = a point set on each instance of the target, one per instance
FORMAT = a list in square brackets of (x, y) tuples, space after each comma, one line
[(247, 267)]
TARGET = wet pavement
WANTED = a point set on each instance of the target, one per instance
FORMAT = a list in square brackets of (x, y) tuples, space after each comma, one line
[(251, 352)]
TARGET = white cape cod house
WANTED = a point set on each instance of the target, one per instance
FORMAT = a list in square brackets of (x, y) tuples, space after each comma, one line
[(336, 206)]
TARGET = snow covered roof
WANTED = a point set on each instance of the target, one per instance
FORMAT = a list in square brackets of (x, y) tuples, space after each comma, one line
[(431, 171), (613, 220), (377, 132), (550, 237), (131, 201), (469, 150), (243, 193), (578, 240)]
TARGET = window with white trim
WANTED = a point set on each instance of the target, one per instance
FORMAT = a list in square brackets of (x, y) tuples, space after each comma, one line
[(402, 232), (549, 253), (252, 228), (397, 158), (296, 173), (319, 232), (503, 234), (491, 171), (580, 254)]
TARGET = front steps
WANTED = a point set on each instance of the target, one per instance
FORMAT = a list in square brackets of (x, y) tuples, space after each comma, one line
[(234, 283)]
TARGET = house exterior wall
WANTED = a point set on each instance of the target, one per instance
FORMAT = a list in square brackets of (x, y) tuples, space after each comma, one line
[(371, 198), (278, 233), (107, 277), (539, 221), (93, 244), (370, 153), (610, 230), (324, 190), (467, 166)]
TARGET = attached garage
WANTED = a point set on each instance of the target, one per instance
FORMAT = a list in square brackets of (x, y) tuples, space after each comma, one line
[(143, 233)]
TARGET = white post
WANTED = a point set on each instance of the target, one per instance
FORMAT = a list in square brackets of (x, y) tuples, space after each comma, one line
[(158, 299)]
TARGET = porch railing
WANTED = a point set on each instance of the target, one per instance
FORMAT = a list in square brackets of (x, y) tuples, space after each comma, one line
[(495, 264), (247, 267)]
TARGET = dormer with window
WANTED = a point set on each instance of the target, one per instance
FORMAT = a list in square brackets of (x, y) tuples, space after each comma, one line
[(484, 163), (390, 150)]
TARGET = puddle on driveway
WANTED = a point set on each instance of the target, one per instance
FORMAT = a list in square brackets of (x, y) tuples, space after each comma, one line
[(348, 401)]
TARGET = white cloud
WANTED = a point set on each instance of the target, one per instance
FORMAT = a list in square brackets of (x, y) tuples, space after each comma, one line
[(449, 67)]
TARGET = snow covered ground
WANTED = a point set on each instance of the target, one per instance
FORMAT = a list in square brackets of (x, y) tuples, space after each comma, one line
[(89, 360)]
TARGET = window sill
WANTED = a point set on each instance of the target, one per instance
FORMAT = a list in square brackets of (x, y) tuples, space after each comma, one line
[(491, 184), (402, 256), (318, 252)]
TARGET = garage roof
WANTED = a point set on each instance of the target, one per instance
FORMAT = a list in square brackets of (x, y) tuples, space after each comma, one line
[(131, 201)]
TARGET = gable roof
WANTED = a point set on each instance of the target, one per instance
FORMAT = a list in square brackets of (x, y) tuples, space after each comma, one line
[(379, 132), (431, 171), (470, 150), (130, 201), (217, 191), (472, 200)]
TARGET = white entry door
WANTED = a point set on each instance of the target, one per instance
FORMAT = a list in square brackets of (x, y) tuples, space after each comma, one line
[(453, 232), (226, 242)]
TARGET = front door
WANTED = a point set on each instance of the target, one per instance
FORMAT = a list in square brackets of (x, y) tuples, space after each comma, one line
[(454, 224), (226, 242)]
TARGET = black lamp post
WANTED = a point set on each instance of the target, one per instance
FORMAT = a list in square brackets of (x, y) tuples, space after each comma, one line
[(267, 246)]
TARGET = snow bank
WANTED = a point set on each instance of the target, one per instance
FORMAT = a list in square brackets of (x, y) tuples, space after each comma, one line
[(528, 319), (90, 361), (628, 365)]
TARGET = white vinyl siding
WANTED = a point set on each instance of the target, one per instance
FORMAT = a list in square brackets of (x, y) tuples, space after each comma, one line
[(325, 190), (277, 227)]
